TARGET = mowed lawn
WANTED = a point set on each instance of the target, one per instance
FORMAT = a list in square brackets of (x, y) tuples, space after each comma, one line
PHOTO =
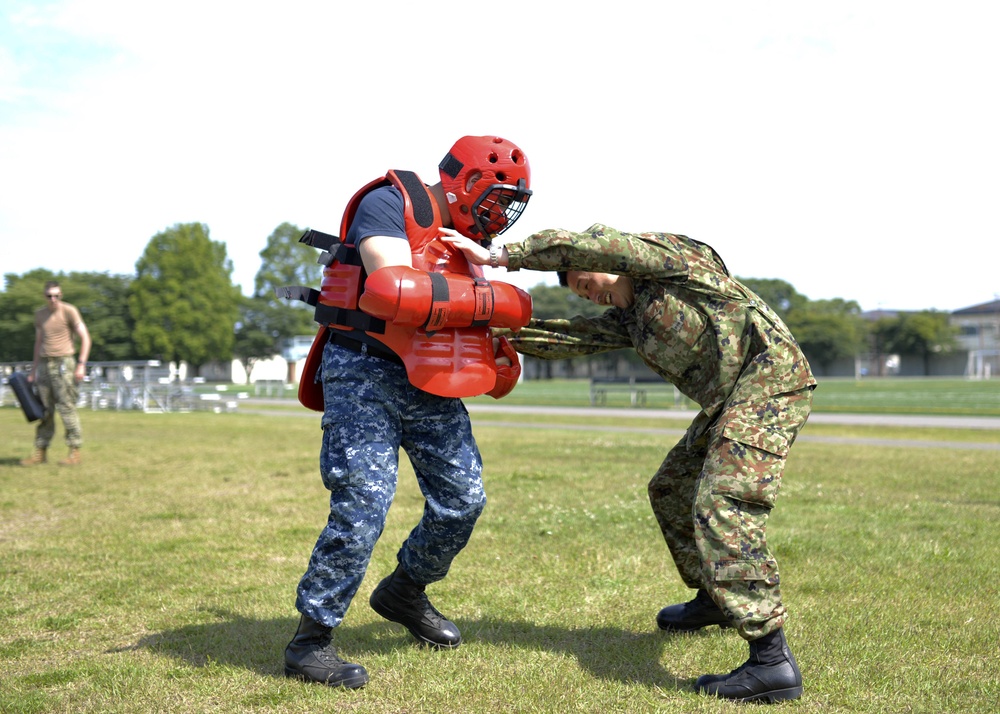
[(160, 575), (872, 395)]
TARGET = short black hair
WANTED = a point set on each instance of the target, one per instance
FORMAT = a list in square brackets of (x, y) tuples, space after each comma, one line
[(563, 278)]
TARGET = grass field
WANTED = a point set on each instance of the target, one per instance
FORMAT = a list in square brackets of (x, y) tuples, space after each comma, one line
[(159, 576), (885, 396), (895, 395)]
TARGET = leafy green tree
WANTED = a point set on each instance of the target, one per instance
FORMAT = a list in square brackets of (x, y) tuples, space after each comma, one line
[(103, 302), (922, 334), (778, 294), (102, 299), (260, 331), (22, 296), (183, 301), (285, 261), (550, 302), (828, 330)]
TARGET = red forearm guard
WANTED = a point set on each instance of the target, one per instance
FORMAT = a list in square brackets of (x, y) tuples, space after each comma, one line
[(406, 296)]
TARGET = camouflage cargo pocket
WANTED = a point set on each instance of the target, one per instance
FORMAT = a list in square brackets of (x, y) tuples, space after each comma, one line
[(748, 463)]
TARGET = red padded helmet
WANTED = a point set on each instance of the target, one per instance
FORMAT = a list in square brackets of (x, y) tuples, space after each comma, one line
[(485, 181)]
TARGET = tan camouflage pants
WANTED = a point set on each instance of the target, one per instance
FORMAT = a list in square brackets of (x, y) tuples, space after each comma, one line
[(58, 392), (712, 498)]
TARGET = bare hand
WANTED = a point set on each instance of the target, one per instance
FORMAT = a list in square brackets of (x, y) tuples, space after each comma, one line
[(474, 253), (502, 360)]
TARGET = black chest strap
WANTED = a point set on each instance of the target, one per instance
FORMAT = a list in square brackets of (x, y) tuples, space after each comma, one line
[(329, 315)]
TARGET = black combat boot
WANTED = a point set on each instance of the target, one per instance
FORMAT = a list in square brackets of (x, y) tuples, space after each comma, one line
[(400, 599), (770, 675), (694, 615), (311, 656)]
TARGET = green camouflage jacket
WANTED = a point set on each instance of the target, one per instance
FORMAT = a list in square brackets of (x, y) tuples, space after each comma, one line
[(691, 322)]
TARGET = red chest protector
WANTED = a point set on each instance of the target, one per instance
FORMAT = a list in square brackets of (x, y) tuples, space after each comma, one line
[(450, 362)]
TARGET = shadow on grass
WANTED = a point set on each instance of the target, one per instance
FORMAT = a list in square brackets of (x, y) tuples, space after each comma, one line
[(606, 652), (258, 645)]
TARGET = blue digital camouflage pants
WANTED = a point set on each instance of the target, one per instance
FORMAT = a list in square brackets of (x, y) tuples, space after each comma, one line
[(712, 497), (371, 411)]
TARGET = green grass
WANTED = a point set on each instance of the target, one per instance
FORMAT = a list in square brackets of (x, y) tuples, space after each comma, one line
[(910, 396), (159, 576), (872, 395)]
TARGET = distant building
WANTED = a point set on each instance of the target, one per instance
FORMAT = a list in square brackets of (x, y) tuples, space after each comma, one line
[(979, 335), (285, 367), (977, 355)]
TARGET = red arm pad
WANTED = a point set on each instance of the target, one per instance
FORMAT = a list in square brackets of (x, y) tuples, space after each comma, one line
[(407, 296)]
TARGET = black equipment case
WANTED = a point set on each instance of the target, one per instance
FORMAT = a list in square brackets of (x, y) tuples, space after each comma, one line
[(27, 396)]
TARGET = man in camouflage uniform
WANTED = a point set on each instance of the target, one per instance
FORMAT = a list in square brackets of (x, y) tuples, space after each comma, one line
[(57, 373), (674, 301)]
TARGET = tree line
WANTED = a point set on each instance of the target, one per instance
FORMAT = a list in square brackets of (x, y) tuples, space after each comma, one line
[(181, 305), (826, 330)]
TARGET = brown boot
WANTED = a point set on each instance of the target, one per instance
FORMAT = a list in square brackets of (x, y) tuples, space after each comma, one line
[(74, 457), (37, 457)]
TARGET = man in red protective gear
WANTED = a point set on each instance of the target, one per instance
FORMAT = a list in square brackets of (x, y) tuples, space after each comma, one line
[(406, 332)]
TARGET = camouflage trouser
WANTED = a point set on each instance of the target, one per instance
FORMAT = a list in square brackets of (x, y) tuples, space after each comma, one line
[(58, 392), (712, 497), (371, 411)]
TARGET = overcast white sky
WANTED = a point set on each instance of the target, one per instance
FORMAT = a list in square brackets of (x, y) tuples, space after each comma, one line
[(849, 148)]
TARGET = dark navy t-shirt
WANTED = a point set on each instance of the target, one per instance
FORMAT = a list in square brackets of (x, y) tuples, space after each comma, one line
[(380, 213)]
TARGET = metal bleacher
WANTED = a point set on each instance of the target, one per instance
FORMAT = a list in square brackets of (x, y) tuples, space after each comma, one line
[(144, 385)]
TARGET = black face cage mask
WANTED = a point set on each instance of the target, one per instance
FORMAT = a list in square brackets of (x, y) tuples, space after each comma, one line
[(500, 205)]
